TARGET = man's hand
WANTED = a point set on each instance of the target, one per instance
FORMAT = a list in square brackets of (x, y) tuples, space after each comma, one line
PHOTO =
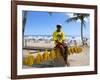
[(63, 41), (56, 41)]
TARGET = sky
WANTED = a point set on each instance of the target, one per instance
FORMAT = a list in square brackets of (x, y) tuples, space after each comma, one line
[(44, 23)]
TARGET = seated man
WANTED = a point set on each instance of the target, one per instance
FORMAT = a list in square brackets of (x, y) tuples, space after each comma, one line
[(59, 38)]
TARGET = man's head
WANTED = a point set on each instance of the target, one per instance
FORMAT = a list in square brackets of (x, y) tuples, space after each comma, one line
[(58, 26)]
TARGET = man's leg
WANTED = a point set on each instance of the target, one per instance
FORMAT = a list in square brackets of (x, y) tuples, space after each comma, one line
[(66, 52), (62, 50)]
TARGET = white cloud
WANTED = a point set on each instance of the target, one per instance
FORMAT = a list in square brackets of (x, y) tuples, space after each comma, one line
[(70, 14)]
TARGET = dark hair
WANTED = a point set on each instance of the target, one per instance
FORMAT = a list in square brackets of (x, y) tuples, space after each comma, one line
[(58, 26)]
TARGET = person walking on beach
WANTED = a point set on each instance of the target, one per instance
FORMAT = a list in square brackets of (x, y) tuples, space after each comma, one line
[(59, 39)]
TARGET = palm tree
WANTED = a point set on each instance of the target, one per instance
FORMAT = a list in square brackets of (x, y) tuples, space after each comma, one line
[(81, 17), (24, 19)]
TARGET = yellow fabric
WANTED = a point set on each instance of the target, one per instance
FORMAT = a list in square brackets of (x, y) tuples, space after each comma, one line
[(57, 34)]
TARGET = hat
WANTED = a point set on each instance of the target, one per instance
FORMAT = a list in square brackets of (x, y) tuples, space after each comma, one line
[(58, 25)]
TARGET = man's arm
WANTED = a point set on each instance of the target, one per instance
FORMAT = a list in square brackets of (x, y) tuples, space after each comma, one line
[(63, 37), (55, 37)]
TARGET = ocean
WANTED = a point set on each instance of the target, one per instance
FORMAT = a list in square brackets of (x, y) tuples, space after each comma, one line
[(69, 37)]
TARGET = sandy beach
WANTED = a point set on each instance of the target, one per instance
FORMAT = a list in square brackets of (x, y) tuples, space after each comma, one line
[(80, 59)]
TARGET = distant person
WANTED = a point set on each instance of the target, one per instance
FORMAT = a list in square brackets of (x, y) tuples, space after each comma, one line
[(59, 39), (75, 42), (85, 41)]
